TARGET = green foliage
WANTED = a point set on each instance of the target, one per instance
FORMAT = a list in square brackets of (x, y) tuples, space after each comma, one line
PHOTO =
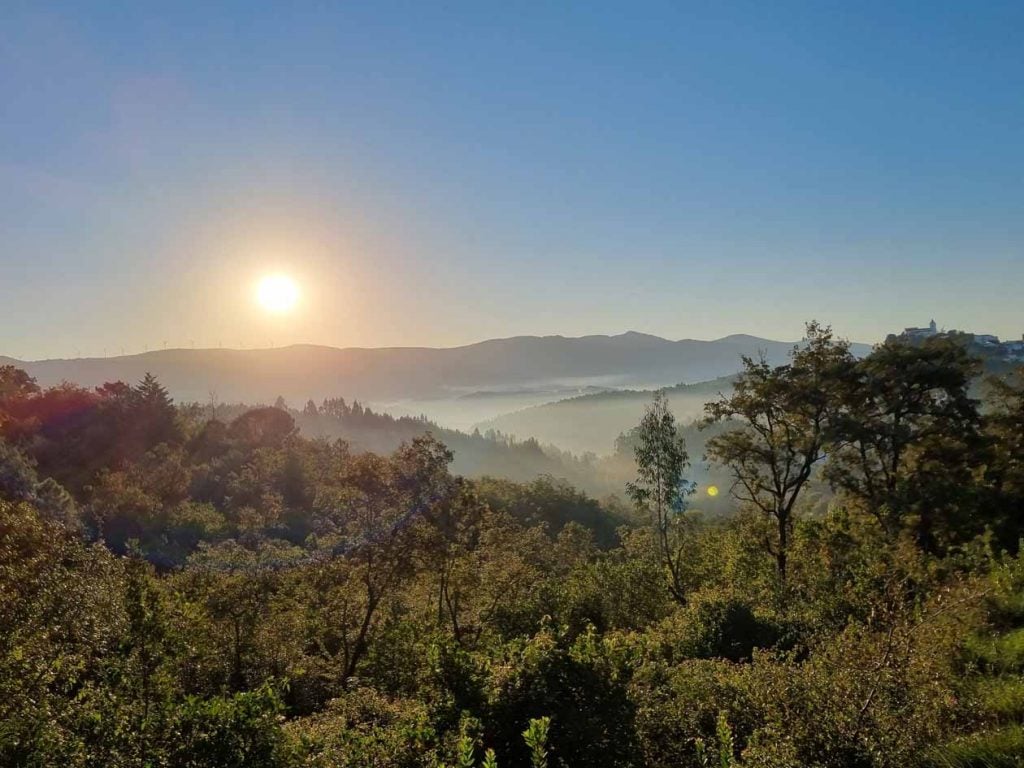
[(782, 417), (660, 489), (1000, 748), (907, 440), (1001, 654), (20, 482), (661, 460), (466, 756), (177, 591), (61, 622), (725, 755), (536, 738), (1002, 698), (574, 682), (716, 628), (552, 503), (363, 728), (238, 731), (15, 383)]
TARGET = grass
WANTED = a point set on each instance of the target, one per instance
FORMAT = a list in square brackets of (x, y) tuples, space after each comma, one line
[(1007, 610), (1000, 693), (1002, 748), (1003, 698), (1003, 654)]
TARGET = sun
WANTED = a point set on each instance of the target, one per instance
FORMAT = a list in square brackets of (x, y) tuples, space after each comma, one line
[(277, 293), (712, 490)]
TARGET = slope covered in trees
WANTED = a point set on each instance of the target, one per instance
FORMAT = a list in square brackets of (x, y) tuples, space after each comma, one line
[(475, 454), (180, 590)]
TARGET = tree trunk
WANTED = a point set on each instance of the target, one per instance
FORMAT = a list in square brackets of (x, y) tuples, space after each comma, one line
[(782, 554)]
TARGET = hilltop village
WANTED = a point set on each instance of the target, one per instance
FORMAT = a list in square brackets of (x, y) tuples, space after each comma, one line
[(987, 344)]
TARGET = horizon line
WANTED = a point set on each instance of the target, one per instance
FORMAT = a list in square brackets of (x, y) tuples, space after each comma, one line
[(295, 345)]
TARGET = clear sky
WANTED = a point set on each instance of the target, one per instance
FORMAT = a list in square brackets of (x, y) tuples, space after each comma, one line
[(437, 173)]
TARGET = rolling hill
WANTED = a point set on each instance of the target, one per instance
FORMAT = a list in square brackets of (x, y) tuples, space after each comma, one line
[(411, 377), (590, 423)]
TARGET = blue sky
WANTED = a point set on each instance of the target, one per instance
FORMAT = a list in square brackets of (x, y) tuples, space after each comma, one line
[(441, 173)]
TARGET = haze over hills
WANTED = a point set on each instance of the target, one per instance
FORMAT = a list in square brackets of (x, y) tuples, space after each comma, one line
[(513, 372), (590, 423)]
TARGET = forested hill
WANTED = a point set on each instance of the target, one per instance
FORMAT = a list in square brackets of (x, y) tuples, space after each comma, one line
[(476, 454), (592, 422), (186, 588), (377, 375)]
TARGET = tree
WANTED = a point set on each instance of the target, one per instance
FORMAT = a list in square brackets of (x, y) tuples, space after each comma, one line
[(18, 480), (238, 731), (16, 383), (783, 416), (233, 585), (335, 408), (145, 647), (573, 682), (553, 503), (368, 536), (263, 427), (451, 541), (660, 488), (1004, 474), (154, 412), (61, 626), (479, 563), (906, 438)]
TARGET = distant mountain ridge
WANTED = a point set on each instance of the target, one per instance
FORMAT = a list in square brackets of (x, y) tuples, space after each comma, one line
[(411, 373)]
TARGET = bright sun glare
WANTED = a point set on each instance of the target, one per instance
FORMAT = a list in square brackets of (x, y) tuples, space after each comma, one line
[(277, 293)]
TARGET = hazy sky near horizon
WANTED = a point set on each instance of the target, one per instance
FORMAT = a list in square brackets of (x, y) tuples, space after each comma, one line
[(439, 173)]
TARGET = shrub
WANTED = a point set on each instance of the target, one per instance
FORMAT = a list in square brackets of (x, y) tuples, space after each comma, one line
[(365, 729), (577, 687), (240, 731)]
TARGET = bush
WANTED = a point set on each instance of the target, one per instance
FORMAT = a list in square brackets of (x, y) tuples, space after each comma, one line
[(240, 731), (575, 685), (715, 628), (677, 705), (997, 655), (365, 729)]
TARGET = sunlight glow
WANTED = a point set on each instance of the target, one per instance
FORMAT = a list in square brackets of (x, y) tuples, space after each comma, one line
[(277, 293), (712, 490)]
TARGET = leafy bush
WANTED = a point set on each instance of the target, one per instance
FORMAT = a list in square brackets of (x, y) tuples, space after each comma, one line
[(239, 731), (365, 729), (576, 686), (716, 628)]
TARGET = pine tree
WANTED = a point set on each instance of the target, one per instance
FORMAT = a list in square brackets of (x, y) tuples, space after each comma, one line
[(154, 412)]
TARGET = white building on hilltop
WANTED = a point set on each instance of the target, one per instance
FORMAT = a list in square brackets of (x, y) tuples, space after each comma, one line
[(921, 333)]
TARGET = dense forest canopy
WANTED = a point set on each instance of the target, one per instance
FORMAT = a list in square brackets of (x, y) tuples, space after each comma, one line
[(203, 586)]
